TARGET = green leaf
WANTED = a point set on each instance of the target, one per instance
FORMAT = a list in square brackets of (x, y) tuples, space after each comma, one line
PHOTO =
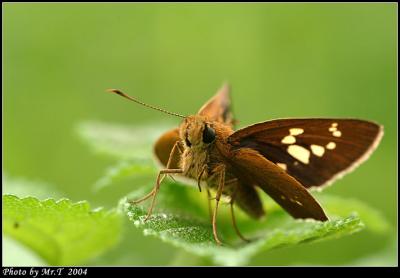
[(61, 232), (23, 187), (181, 218), (121, 141), (373, 219), (124, 169)]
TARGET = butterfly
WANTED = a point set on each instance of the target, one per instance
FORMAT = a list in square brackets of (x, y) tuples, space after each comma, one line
[(285, 158)]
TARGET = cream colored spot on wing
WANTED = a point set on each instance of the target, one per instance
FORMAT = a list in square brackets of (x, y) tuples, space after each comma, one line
[(295, 201), (334, 130), (299, 153), (300, 204), (337, 133), (283, 197), (331, 145), (318, 150), (289, 140), (296, 131), (282, 165)]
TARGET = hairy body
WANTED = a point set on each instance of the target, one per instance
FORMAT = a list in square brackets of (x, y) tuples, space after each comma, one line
[(200, 160)]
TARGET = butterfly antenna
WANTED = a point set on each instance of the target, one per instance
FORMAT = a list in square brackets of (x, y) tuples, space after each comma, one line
[(118, 92)]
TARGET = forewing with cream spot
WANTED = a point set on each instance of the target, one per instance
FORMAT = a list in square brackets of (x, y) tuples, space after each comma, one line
[(253, 168), (314, 151)]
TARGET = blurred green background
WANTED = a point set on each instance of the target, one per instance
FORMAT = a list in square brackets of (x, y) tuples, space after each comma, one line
[(282, 60)]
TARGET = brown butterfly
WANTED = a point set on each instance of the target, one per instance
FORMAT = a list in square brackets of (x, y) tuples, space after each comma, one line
[(283, 157)]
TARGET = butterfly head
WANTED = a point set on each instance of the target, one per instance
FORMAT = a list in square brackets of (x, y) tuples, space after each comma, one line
[(197, 132)]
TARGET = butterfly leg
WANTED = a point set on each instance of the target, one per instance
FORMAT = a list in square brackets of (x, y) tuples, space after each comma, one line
[(203, 169), (209, 204), (221, 170), (164, 172), (233, 216), (209, 198), (157, 187), (144, 198), (235, 225), (177, 146)]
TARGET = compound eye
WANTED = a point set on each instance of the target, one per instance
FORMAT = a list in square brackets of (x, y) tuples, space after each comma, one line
[(208, 134)]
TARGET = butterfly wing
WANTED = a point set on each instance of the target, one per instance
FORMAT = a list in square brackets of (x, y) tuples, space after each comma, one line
[(255, 169), (217, 109), (247, 198), (163, 147), (314, 151)]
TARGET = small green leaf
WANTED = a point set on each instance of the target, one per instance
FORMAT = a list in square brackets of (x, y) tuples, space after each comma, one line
[(121, 141), (181, 219), (124, 169), (61, 232)]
